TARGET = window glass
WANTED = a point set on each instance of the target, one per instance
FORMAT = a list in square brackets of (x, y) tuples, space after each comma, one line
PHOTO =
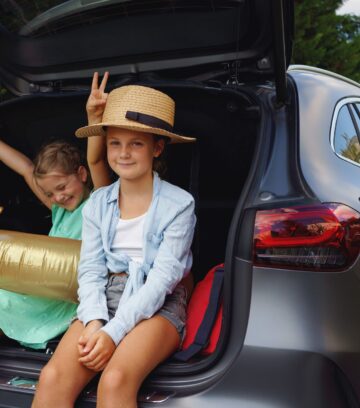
[(357, 109), (346, 142), (356, 118)]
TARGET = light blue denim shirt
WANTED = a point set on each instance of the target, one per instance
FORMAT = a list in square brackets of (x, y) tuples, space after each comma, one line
[(167, 237)]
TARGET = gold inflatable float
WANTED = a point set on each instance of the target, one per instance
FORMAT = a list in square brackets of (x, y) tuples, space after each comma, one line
[(39, 265), (44, 266)]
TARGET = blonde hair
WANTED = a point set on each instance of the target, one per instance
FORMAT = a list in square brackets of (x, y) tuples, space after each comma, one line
[(58, 155)]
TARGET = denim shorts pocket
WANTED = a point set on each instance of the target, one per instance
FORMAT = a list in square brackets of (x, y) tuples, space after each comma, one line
[(114, 290), (174, 309)]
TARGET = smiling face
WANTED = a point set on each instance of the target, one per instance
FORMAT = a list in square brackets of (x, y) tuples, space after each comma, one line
[(131, 154), (65, 190)]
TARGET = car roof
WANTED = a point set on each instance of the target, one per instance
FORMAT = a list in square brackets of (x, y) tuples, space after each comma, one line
[(314, 70)]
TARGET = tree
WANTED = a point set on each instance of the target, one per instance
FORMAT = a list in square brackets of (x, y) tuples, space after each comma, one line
[(352, 149), (325, 39)]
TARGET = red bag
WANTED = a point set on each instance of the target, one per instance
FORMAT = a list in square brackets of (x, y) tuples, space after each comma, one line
[(204, 316)]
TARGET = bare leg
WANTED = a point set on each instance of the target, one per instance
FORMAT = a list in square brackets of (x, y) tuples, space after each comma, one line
[(63, 378), (147, 345)]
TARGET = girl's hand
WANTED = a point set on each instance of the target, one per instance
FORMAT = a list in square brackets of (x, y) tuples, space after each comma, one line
[(102, 348), (96, 102), (89, 330)]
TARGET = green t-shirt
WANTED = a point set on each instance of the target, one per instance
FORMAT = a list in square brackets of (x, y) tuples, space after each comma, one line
[(66, 224), (40, 319)]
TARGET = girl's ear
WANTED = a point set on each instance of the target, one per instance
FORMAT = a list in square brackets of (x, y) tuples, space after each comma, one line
[(83, 174), (159, 147)]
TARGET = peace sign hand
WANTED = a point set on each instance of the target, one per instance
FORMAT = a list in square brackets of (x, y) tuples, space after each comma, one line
[(96, 102)]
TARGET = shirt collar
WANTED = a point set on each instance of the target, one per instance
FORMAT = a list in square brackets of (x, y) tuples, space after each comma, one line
[(114, 191)]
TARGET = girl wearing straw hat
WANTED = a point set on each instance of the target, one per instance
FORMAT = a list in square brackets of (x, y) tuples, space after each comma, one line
[(137, 235)]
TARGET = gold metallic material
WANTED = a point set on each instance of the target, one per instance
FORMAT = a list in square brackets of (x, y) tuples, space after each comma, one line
[(39, 265)]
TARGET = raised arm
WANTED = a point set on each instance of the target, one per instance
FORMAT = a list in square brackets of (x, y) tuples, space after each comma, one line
[(22, 165), (16, 161), (96, 150)]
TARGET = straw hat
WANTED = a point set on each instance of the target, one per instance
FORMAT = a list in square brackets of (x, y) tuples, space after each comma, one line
[(137, 108)]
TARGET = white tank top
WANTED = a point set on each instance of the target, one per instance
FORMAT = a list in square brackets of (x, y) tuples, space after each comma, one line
[(128, 237)]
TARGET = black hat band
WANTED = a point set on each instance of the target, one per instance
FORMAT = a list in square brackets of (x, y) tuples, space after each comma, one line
[(149, 120)]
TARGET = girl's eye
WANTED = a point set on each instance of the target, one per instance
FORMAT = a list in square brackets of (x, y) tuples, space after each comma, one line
[(114, 143), (137, 144), (60, 188), (48, 195)]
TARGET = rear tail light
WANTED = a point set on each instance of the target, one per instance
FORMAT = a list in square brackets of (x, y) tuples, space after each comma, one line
[(322, 237)]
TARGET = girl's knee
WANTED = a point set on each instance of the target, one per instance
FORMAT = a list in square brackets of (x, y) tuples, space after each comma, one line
[(50, 376), (47, 386), (116, 379)]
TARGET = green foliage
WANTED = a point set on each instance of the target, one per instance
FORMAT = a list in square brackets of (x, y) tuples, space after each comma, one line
[(325, 39), (352, 149)]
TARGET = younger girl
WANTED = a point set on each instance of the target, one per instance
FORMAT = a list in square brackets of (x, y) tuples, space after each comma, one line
[(136, 243), (58, 177)]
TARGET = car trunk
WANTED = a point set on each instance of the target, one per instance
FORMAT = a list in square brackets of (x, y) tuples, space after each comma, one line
[(224, 119)]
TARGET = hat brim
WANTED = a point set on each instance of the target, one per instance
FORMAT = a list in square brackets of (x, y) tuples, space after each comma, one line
[(98, 130)]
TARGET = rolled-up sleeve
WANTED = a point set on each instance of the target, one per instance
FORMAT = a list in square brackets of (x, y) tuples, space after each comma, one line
[(92, 270), (170, 265)]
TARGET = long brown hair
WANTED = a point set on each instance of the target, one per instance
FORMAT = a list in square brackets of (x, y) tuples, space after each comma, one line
[(159, 163)]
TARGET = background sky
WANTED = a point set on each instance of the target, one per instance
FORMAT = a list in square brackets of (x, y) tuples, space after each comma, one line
[(350, 6)]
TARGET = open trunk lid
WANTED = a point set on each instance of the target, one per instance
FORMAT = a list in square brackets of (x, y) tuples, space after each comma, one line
[(66, 43)]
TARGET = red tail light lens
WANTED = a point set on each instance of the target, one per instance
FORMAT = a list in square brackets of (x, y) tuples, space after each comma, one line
[(320, 237)]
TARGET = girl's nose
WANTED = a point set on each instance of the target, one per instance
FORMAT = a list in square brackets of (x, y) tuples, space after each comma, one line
[(125, 152), (59, 198)]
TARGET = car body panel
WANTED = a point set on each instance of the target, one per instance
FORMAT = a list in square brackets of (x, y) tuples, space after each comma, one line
[(326, 173), (269, 378)]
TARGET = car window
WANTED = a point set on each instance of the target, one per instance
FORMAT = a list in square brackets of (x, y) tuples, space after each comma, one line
[(355, 117), (346, 141), (358, 108)]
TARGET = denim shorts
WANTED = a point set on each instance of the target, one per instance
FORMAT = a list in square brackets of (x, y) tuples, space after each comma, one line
[(174, 308)]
